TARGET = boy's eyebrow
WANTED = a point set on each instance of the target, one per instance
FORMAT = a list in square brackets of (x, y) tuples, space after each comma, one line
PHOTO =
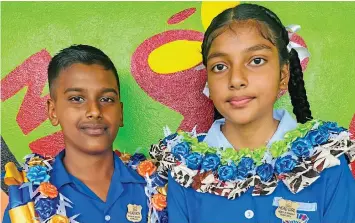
[(73, 89), (104, 90), (107, 90), (258, 47)]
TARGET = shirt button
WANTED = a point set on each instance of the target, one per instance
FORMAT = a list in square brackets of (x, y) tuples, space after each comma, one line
[(249, 214), (107, 217)]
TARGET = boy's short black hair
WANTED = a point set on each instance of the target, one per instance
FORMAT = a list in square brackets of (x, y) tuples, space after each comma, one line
[(83, 54)]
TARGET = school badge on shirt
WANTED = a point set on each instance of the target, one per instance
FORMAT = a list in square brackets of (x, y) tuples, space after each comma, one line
[(134, 213), (287, 210)]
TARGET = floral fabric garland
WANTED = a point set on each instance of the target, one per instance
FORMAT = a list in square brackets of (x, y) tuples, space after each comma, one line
[(297, 160), (49, 205), (156, 188), (42, 202)]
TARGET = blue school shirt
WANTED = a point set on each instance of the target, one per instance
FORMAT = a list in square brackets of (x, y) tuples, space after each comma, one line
[(126, 187), (331, 198)]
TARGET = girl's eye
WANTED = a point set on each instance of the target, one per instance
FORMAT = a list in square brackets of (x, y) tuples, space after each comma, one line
[(106, 100), (76, 99), (219, 68), (257, 61)]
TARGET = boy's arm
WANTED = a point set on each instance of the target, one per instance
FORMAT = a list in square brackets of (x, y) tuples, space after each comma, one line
[(177, 208), (340, 195)]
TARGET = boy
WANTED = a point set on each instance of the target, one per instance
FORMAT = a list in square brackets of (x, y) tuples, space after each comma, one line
[(85, 102)]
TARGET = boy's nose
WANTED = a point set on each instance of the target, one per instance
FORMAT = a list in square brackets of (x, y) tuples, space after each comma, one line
[(93, 111)]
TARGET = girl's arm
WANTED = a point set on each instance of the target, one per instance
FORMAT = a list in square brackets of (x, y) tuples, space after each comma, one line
[(340, 195), (177, 208)]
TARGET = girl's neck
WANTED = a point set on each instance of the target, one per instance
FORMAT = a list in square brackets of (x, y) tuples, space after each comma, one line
[(251, 135)]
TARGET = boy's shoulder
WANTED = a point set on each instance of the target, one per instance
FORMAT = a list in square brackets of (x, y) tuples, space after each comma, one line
[(31, 194), (31, 190)]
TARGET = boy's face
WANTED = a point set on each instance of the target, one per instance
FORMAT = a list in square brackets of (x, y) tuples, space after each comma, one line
[(87, 106)]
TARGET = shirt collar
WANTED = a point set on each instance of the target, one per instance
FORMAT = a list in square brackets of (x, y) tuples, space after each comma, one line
[(126, 174), (215, 137), (60, 176)]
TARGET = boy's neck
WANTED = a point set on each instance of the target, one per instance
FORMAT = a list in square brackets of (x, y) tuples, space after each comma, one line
[(251, 135), (89, 167)]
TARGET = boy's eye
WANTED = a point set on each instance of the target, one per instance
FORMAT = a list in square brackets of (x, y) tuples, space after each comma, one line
[(257, 61), (105, 99), (219, 68), (76, 99)]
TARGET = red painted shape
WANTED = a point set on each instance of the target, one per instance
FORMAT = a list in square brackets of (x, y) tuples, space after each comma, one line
[(32, 74), (181, 16), (299, 40), (49, 145), (180, 91), (353, 168), (352, 128)]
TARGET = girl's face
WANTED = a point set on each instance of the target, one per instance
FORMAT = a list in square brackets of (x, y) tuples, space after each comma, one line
[(244, 74)]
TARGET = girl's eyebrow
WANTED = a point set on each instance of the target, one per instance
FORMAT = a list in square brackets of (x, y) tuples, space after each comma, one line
[(247, 50), (257, 47), (216, 54)]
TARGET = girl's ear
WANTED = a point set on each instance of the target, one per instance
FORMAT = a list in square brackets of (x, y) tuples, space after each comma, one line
[(285, 77)]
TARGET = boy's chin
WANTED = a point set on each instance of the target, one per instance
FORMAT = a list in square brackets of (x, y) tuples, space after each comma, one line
[(96, 150)]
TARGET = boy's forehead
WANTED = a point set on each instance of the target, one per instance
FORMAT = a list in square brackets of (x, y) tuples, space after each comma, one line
[(79, 74)]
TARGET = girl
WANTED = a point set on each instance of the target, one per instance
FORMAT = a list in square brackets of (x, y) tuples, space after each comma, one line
[(257, 164)]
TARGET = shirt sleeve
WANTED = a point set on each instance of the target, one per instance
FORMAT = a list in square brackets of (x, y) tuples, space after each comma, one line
[(340, 195), (177, 205), (6, 217)]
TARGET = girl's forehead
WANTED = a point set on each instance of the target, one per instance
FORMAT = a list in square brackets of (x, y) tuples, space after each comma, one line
[(250, 27), (239, 36)]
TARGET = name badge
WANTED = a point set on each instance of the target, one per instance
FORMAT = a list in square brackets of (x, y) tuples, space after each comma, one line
[(287, 210)]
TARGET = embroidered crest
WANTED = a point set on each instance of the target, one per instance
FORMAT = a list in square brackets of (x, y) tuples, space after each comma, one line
[(134, 213)]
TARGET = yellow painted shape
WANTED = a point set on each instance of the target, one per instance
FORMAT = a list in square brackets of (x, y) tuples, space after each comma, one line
[(175, 56), (209, 10)]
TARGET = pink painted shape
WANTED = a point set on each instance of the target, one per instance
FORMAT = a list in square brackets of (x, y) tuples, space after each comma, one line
[(181, 16), (180, 91), (33, 74)]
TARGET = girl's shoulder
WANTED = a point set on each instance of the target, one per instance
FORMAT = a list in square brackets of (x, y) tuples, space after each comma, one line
[(297, 160)]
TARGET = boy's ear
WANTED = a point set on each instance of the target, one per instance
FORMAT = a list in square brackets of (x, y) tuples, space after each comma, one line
[(52, 112), (285, 77), (121, 115)]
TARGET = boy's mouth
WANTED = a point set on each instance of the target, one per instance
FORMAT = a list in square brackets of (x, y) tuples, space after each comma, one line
[(93, 129)]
